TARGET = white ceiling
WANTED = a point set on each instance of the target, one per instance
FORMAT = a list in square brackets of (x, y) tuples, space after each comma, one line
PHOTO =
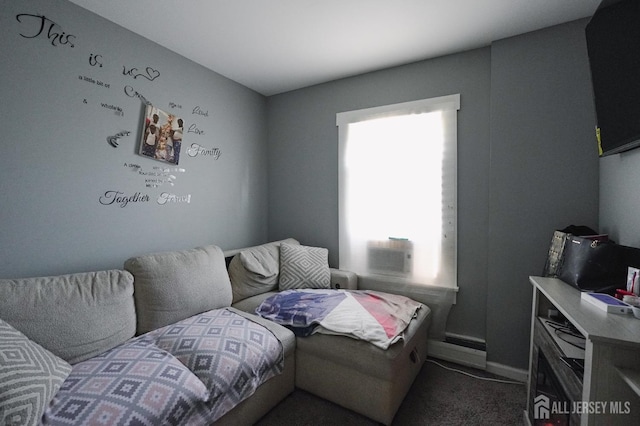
[(273, 46)]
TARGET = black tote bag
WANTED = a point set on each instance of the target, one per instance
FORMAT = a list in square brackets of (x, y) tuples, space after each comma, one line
[(592, 264)]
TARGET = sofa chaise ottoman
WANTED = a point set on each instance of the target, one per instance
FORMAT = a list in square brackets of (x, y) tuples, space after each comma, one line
[(352, 373)]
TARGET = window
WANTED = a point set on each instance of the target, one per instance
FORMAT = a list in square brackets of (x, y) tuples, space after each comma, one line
[(397, 186)]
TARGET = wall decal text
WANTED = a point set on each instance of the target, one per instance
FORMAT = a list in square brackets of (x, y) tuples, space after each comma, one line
[(96, 82), (133, 93), (149, 73), (95, 60), (166, 197), (194, 129), (115, 139), (40, 24), (195, 149), (157, 176), (198, 111), (114, 108), (120, 199)]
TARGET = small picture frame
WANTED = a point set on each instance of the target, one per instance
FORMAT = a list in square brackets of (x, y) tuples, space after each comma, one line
[(161, 136)]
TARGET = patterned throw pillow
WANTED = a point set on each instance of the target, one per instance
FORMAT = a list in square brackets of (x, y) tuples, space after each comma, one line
[(304, 267), (30, 377)]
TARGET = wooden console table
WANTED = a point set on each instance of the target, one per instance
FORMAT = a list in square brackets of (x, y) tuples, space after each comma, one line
[(609, 391)]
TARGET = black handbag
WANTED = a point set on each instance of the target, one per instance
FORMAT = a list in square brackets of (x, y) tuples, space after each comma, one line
[(556, 249), (592, 264)]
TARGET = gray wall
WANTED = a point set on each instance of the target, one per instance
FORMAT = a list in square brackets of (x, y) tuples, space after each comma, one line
[(544, 170), (527, 166), (56, 162), (620, 197)]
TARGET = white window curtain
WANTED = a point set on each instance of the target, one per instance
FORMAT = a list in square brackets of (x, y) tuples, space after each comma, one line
[(397, 186)]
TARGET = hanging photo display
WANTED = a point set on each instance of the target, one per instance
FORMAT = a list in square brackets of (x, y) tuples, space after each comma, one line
[(162, 135)]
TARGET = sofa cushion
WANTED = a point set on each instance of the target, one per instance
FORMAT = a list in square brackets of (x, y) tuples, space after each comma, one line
[(172, 286), (187, 373), (30, 377), (229, 254), (251, 303), (254, 271), (283, 334), (304, 267), (74, 316)]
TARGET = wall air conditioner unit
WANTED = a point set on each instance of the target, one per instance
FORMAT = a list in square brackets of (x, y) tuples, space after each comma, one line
[(390, 257)]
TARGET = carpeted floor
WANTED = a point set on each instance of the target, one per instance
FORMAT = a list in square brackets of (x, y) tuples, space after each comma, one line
[(438, 397)]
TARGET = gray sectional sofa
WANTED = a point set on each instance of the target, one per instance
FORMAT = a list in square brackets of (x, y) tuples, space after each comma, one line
[(173, 338)]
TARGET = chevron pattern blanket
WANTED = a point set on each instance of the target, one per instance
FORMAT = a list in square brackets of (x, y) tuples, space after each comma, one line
[(379, 318), (188, 373)]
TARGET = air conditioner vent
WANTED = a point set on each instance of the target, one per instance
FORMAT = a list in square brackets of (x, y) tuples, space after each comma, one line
[(390, 257)]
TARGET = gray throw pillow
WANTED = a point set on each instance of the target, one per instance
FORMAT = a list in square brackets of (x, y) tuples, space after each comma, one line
[(254, 271), (304, 267), (30, 377)]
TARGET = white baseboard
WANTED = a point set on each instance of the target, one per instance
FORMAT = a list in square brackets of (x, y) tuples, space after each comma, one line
[(473, 358), (458, 354), (512, 373)]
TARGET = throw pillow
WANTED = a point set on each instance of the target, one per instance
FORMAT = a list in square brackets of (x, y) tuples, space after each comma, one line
[(304, 267), (30, 377), (254, 271)]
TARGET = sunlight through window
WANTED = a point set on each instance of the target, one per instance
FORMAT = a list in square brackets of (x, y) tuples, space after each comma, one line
[(393, 200)]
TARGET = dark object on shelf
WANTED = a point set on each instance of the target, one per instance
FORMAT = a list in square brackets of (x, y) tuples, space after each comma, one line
[(581, 257), (613, 45), (592, 263), (556, 249)]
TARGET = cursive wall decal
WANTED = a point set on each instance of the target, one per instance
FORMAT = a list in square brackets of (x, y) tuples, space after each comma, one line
[(115, 139), (118, 198), (149, 73), (95, 60), (166, 197), (133, 93), (40, 24), (194, 129), (196, 149), (198, 111)]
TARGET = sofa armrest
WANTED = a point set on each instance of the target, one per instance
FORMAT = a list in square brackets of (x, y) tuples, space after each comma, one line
[(345, 280)]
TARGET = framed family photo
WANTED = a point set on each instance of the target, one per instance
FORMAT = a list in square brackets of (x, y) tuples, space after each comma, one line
[(161, 136)]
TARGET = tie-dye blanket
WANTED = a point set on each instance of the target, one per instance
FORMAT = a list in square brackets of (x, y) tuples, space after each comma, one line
[(188, 373), (379, 318)]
